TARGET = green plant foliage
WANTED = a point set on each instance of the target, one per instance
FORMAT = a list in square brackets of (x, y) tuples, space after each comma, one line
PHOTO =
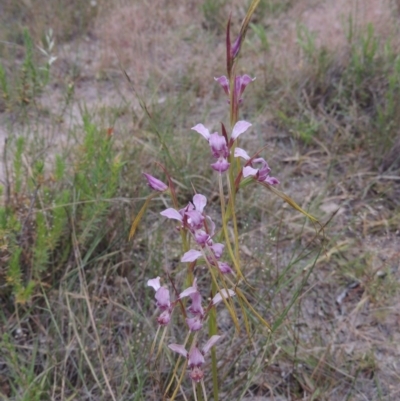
[(96, 179), (18, 164), (22, 86), (39, 239)]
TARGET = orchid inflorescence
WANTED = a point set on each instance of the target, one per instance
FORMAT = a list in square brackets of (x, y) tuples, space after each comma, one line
[(198, 228), (201, 241)]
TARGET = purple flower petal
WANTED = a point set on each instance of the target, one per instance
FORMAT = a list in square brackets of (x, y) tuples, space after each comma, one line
[(223, 81), (155, 184), (264, 170), (236, 46), (217, 249), (191, 256), (202, 130), (223, 293), (196, 374), (210, 226), (172, 214), (201, 237), (239, 128), (221, 165), (180, 349), (164, 318), (194, 323), (195, 220), (210, 343), (199, 201), (272, 181), (242, 82), (187, 292), (218, 145), (224, 268), (249, 171), (239, 152), (162, 298), (154, 282), (262, 174), (196, 308), (196, 358)]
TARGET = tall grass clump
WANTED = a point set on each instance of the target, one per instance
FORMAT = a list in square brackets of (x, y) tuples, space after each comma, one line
[(351, 96), (211, 271)]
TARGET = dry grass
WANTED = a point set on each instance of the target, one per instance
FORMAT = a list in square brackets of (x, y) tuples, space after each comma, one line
[(329, 142)]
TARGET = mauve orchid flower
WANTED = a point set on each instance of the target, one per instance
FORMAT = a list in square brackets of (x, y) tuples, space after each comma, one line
[(162, 293), (218, 145), (155, 184), (196, 308), (193, 254), (194, 294), (241, 81), (262, 173), (195, 323), (163, 300), (191, 216), (195, 357)]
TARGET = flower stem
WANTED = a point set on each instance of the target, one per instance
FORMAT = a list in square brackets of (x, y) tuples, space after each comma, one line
[(231, 190), (212, 328), (225, 229)]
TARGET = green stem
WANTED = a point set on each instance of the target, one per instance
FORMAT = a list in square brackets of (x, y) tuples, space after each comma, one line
[(185, 248), (212, 328), (231, 191), (235, 261)]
